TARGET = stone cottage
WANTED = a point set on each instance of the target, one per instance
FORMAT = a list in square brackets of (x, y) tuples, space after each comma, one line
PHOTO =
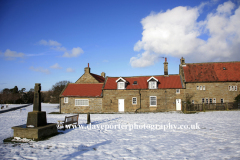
[(215, 82), (83, 96), (202, 82)]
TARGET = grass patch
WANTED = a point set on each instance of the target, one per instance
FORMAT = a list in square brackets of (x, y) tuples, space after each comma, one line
[(54, 113), (190, 112), (9, 140)]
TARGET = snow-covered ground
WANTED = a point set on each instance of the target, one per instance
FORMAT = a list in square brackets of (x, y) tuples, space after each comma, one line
[(214, 135)]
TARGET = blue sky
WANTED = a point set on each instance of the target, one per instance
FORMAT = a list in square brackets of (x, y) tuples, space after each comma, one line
[(50, 41)]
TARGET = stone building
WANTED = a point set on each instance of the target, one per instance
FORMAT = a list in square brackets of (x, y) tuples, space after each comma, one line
[(215, 82), (83, 96), (197, 82)]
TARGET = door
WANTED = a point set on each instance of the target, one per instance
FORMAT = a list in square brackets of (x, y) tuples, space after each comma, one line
[(120, 105), (178, 105)]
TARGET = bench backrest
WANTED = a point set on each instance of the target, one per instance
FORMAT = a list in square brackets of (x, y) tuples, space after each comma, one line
[(71, 118)]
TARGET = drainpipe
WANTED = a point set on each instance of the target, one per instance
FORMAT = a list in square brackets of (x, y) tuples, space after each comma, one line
[(60, 104), (140, 101)]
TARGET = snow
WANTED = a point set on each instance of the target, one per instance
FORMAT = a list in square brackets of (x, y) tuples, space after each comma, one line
[(216, 138)]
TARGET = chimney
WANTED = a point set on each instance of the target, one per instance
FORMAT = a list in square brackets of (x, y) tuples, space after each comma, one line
[(165, 67), (103, 74), (182, 61), (87, 69)]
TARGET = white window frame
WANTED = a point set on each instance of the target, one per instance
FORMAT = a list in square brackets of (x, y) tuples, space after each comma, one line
[(222, 100), (203, 88), (177, 91), (235, 88), (200, 88), (214, 100), (197, 87), (203, 100), (82, 103), (192, 101), (151, 100), (150, 85), (121, 85), (229, 88), (134, 102), (65, 99)]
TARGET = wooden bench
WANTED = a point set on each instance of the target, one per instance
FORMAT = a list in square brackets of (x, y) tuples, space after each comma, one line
[(73, 120)]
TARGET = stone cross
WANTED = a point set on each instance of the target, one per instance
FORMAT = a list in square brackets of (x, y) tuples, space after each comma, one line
[(37, 97)]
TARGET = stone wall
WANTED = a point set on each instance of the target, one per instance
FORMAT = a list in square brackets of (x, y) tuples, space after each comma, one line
[(95, 106), (86, 78), (166, 100), (218, 90)]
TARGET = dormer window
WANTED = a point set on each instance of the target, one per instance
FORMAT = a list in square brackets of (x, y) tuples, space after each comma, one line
[(121, 83), (152, 83)]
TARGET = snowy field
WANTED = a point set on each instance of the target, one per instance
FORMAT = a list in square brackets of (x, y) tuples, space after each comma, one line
[(113, 136)]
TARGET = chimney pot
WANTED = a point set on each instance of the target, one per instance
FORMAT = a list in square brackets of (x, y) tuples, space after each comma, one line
[(88, 65), (103, 74)]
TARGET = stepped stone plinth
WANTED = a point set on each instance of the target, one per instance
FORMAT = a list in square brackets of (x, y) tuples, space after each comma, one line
[(37, 126)]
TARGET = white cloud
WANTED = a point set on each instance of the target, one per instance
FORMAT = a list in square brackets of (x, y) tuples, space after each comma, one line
[(74, 53), (13, 54), (105, 61), (176, 33), (70, 70), (49, 43), (58, 47), (56, 66), (40, 69)]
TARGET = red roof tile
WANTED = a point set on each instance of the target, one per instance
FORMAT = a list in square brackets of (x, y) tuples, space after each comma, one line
[(212, 72), (98, 78), (83, 90), (172, 81)]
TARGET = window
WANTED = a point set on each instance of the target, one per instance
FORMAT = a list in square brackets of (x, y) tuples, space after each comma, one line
[(206, 100), (235, 88), (81, 102), (153, 100), (197, 87), (200, 87), (202, 100), (121, 85), (192, 101), (229, 88), (232, 88), (210, 100), (178, 91), (221, 100), (135, 83), (65, 99), (152, 85), (214, 100), (134, 100), (203, 88)]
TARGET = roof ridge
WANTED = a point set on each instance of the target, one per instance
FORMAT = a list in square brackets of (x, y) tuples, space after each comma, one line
[(146, 76), (213, 62)]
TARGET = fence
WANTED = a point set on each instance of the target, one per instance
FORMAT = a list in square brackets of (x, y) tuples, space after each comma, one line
[(210, 106)]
